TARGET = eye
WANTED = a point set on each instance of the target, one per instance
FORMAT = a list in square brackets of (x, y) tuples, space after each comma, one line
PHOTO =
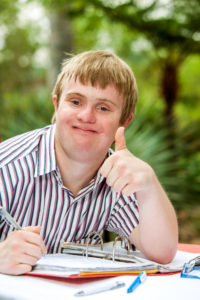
[(103, 108), (75, 102)]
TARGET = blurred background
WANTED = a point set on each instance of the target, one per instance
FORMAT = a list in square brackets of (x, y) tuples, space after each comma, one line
[(160, 40)]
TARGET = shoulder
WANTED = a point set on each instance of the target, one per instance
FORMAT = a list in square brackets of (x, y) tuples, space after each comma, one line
[(21, 145)]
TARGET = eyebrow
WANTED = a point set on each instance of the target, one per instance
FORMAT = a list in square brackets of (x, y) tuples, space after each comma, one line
[(83, 96)]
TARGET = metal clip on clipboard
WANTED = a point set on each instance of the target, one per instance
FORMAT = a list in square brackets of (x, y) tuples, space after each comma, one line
[(111, 251), (191, 269)]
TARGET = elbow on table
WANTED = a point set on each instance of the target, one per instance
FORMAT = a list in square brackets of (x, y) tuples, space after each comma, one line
[(164, 259), (164, 256)]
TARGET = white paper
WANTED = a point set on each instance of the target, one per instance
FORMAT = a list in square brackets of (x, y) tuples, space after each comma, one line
[(66, 264)]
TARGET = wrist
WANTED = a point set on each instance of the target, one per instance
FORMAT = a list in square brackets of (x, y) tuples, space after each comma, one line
[(149, 179)]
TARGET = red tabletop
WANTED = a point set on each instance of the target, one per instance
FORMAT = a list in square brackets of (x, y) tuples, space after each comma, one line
[(193, 248)]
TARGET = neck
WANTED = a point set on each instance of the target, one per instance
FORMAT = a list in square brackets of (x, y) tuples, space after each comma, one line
[(77, 174)]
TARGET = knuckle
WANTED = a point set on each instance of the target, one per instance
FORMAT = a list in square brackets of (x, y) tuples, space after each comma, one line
[(28, 268), (21, 269), (117, 188), (116, 157), (14, 244), (108, 182), (33, 261)]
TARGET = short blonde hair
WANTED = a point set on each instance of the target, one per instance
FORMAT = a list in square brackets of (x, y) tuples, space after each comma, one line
[(101, 68)]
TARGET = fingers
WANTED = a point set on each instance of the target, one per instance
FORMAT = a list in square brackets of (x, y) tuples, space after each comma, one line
[(17, 263), (34, 237), (32, 242), (120, 184), (24, 258), (111, 168), (35, 229), (20, 269), (114, 170), (122, 169), (107, 166), (120, 142), (21, 250), (33, 250), (128, 189)]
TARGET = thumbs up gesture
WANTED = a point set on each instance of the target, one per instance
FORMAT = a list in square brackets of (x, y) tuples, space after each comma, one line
[(123, 171), (120, 142)]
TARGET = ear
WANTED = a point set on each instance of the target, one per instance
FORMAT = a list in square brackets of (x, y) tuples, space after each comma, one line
[(130, 118), (55, 103)]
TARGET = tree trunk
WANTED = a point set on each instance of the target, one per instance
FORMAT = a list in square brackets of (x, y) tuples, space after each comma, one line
[(169, 87), (169, 91), (61, 42)]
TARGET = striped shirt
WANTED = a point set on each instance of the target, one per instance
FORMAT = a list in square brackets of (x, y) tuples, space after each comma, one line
[(31, 190)]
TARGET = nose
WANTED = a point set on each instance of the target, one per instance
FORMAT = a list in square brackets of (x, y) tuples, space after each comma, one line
[(87, 115)]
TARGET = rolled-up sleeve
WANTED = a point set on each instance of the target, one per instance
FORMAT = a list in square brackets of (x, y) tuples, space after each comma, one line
[(124, 216)]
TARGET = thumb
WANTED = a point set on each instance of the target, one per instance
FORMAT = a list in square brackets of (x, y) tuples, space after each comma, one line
[(120, 142), (35, 229)]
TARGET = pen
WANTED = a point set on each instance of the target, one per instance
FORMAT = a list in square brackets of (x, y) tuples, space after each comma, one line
[(140, 279), (108, 287), (9, 219)]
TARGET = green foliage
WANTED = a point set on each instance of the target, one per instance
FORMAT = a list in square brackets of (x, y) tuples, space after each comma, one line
[(8, 10), (25, 112), (87, 28), (188, 147), (150, 142), (19, 76), (177, 168), (188, 107), (174, 28), (17, 59)]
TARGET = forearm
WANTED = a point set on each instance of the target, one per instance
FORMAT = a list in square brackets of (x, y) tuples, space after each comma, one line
[(157, 234)]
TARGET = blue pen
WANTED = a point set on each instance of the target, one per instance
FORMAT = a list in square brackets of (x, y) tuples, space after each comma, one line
[(140, 279)]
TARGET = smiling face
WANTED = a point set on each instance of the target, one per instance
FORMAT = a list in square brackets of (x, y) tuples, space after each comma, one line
[(87, 118)]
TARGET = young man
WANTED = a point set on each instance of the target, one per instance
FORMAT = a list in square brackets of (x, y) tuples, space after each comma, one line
[(63, 181)]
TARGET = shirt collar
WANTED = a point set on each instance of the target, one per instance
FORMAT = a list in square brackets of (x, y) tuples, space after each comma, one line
[(46, 160)]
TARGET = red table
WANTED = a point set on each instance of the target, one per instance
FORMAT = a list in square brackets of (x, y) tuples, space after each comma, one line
[(189, 248)]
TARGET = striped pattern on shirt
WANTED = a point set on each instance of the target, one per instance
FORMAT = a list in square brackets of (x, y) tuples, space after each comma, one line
[(32, 191)]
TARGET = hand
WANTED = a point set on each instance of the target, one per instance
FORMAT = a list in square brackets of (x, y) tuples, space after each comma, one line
[(123, 171), (21, 250)]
